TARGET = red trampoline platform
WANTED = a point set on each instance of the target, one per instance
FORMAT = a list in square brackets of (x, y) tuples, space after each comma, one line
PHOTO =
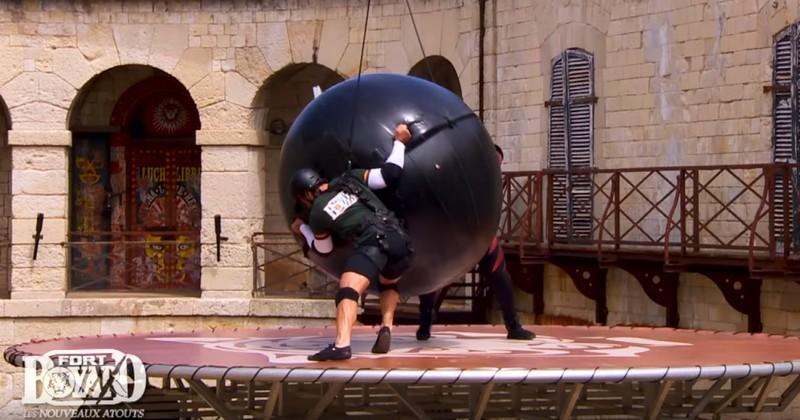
[(461, 372)]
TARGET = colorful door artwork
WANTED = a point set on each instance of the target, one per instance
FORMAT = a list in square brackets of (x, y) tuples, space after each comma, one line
[(135, 208), (164, 207)]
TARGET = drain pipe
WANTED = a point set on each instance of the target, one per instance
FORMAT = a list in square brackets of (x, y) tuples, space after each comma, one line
[(482, 34)]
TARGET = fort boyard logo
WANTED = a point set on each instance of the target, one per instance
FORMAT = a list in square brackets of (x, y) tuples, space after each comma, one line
[(83, 377)]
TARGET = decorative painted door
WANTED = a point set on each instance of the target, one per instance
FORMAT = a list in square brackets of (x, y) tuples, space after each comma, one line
[(164, 215)]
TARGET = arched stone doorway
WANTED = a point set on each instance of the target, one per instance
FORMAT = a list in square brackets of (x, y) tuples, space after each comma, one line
[(439, 70), (277, 104), (135, 207)]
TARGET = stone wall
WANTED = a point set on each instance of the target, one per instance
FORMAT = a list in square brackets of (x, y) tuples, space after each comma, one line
[(677, 81)]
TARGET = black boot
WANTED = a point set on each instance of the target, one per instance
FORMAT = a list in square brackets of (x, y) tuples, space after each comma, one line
[(426, 304), (424, 332), (516, 332), (383, 342), (331, 353)]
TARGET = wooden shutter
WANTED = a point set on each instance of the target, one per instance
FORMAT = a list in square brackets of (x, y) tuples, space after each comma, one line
[(571, 135), (784, 122)]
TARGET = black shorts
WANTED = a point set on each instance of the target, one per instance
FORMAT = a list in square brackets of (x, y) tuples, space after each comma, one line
[(388, 256)]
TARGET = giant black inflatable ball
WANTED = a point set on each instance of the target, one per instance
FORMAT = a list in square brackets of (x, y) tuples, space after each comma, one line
[(449, 193)]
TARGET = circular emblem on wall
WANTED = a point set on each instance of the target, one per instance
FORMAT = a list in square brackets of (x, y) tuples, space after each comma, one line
[(169, 116)]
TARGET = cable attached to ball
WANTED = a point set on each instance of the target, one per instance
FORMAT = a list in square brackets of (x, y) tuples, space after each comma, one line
[(355, 93)]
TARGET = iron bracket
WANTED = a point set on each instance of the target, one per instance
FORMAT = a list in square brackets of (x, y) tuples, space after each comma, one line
[(741, 291), (590, 280), (660, 286)]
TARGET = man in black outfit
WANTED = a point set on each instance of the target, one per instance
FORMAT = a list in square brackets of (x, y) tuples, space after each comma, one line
[(492, 267), (348, 209)]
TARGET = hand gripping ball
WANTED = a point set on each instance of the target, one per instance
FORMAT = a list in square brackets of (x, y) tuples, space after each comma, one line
[(449, 194)]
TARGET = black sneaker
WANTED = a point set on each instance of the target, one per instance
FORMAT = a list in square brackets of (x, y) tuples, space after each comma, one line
[(518, 333), (383, 342), (423, 333), (331, 353)]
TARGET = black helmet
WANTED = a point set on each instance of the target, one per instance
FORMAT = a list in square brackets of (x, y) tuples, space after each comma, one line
[(305, 179)]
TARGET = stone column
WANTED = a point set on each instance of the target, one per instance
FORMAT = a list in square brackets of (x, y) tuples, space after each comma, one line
[(232, 186), (39, 184)]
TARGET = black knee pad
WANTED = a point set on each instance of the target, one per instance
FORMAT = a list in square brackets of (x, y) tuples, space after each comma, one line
[(347, 293), (384, 287)]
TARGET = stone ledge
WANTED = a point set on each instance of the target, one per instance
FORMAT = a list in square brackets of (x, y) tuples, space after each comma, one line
[(40, 138), (157, 306)]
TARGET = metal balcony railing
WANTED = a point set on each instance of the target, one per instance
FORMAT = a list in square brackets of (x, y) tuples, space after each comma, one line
[(744, 213), (281, 269)]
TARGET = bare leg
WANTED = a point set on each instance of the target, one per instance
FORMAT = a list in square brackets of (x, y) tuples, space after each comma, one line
[(347, 309), (389, 299)]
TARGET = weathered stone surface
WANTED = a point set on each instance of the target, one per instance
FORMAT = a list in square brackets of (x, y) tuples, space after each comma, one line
[(48, 255), (301, 36), (348, 64), (396, 61), (10, 63), (289, 308), (27, 308), (20, 90), (225, 115), (71, 65), (251, 64), (227, 278), (105, 307), (238, 231), (450, 19), (19, 137), (238, 90), (333, 41), (38, 295), (55, 90), (96, 43), (193, 66), (222, 307), (110, 326), (28, 329), (6, 389), (6, 333), (133, 43), (169, 42), (39, 278), (210, 90), (38, 116), (430, 31), (39, 158), (54, 231), (231, 255), (231, 158), (273, 39), (247, 194), (228, 137), (39, 182), (167, 306)]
